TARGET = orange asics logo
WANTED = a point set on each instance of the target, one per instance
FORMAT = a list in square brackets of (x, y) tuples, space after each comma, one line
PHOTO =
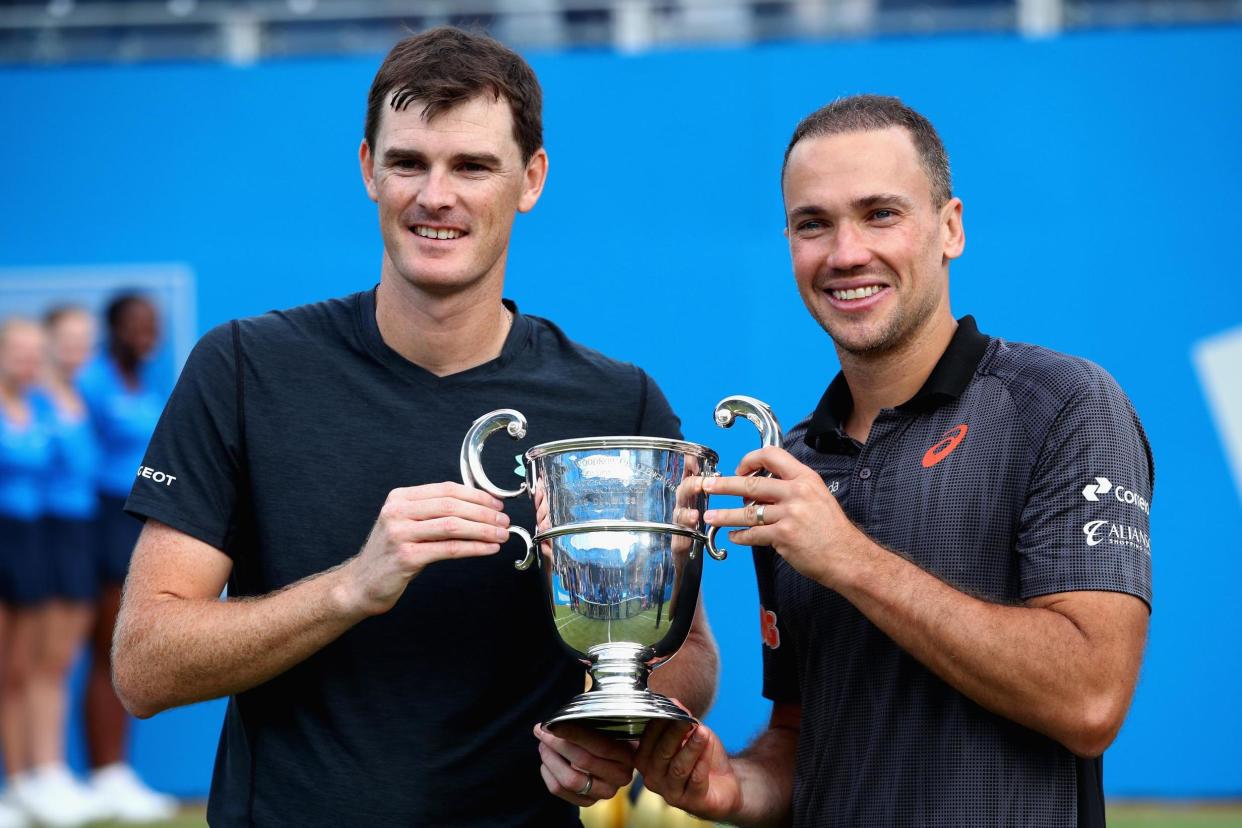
[(767, 624), (951, 439)]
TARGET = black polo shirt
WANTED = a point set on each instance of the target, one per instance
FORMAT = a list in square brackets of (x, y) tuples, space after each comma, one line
[(1014, 472), (284, 436)]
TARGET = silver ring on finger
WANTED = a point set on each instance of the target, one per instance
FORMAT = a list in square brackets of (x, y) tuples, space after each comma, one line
[(759, 521), (585, 790)]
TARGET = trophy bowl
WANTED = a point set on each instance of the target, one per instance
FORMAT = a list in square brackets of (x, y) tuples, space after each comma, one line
[(619, 539)]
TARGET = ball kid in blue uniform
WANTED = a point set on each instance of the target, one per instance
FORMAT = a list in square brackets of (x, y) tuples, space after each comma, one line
[(25, 580), (124, 401), (47, 790)]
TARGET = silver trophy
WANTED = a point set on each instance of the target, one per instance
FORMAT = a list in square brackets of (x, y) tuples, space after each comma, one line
[(620, 520)]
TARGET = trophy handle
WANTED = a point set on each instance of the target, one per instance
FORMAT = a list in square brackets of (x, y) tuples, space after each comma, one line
[(760, 414), (472, 473)]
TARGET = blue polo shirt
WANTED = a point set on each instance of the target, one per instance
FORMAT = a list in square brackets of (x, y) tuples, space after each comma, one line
[(1014, 472), (69, 484), (124, 419), (25, 452)]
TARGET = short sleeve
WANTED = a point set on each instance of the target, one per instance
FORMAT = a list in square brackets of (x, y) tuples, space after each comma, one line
[(658, 419), (1086, 521), (780, 661), (189, 478)]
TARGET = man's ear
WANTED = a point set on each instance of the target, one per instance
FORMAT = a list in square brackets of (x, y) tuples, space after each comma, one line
[(536, 175), (955, 231), (367, 162)]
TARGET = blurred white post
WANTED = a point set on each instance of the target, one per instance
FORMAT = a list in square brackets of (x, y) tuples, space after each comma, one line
[(242, 36), (633, 27), (1040, 18), (820, 17), (854, 15), (718, 20), (531, 22), (812, 16)]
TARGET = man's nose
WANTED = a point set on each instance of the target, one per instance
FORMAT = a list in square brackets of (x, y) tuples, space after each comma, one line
[(437, 191), (849, 248)]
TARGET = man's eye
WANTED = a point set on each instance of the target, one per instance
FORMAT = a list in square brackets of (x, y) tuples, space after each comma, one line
[(883, 215), (471, 167), (812, 226), (408, 164)]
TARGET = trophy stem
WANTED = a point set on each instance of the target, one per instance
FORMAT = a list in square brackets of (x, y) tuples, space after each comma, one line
[(618, 703), (618, 668)]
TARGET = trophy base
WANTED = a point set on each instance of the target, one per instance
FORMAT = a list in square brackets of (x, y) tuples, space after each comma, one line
[(620, 715)]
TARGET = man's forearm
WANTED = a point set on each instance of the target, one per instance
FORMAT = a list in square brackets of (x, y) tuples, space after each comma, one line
[(691, 676), (171, 650), (765, 772), (1031, 664)]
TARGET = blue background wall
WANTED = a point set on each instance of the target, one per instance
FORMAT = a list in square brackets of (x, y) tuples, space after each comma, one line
[(1100, 174)]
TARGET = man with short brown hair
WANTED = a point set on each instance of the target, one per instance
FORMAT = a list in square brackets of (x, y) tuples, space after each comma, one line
[(396, 685), (952, 556)]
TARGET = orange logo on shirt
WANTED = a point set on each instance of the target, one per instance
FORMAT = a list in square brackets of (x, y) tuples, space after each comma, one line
[(951, 440), (767, 625)]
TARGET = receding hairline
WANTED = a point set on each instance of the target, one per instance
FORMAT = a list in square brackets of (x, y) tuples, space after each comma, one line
[(910, 141), (869, 112)]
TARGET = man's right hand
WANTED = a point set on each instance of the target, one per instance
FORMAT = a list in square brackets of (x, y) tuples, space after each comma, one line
[(692, 772), (416, 527)]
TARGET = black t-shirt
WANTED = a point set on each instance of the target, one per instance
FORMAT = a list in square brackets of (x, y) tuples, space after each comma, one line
[(1014, 472), (279, 445)]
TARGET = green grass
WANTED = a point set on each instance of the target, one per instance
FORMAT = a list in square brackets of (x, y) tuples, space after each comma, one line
[(190, 817), (1119, 816), (1175, 816), (582, 633)]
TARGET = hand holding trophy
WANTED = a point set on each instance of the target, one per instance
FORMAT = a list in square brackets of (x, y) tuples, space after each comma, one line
[(621, 519)]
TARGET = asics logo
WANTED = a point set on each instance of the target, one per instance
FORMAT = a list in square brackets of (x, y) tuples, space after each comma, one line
[(951, 440)]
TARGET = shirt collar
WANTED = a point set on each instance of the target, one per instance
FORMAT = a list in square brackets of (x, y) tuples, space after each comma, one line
[(947, 381)]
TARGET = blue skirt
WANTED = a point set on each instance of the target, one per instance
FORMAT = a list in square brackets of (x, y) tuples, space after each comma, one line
[(71, 545), (26, 577)]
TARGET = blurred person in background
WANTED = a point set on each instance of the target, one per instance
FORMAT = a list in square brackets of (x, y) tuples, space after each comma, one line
[(384, 663), (25, 578), (124, 400), (52, 794)]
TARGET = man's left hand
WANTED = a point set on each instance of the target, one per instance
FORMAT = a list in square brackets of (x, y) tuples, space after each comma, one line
[(802, 521), (575, 755)]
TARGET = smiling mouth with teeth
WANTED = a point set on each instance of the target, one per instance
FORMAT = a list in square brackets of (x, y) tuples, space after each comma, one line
[(436, 233), (856, 293)]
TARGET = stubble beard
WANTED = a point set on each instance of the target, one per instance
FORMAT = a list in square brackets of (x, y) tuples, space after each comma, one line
[(894, 332)]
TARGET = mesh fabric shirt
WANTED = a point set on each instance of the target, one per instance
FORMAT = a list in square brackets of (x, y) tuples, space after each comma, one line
[(1015, 472)]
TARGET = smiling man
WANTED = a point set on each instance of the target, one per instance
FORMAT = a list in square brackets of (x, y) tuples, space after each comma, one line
[(955, 584), (396, 685)]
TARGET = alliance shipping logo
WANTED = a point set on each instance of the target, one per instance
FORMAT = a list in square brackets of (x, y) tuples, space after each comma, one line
[(1118, 534)]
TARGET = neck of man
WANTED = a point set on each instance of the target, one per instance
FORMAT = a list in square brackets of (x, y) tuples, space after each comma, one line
[(443, 333), (889, 378)]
